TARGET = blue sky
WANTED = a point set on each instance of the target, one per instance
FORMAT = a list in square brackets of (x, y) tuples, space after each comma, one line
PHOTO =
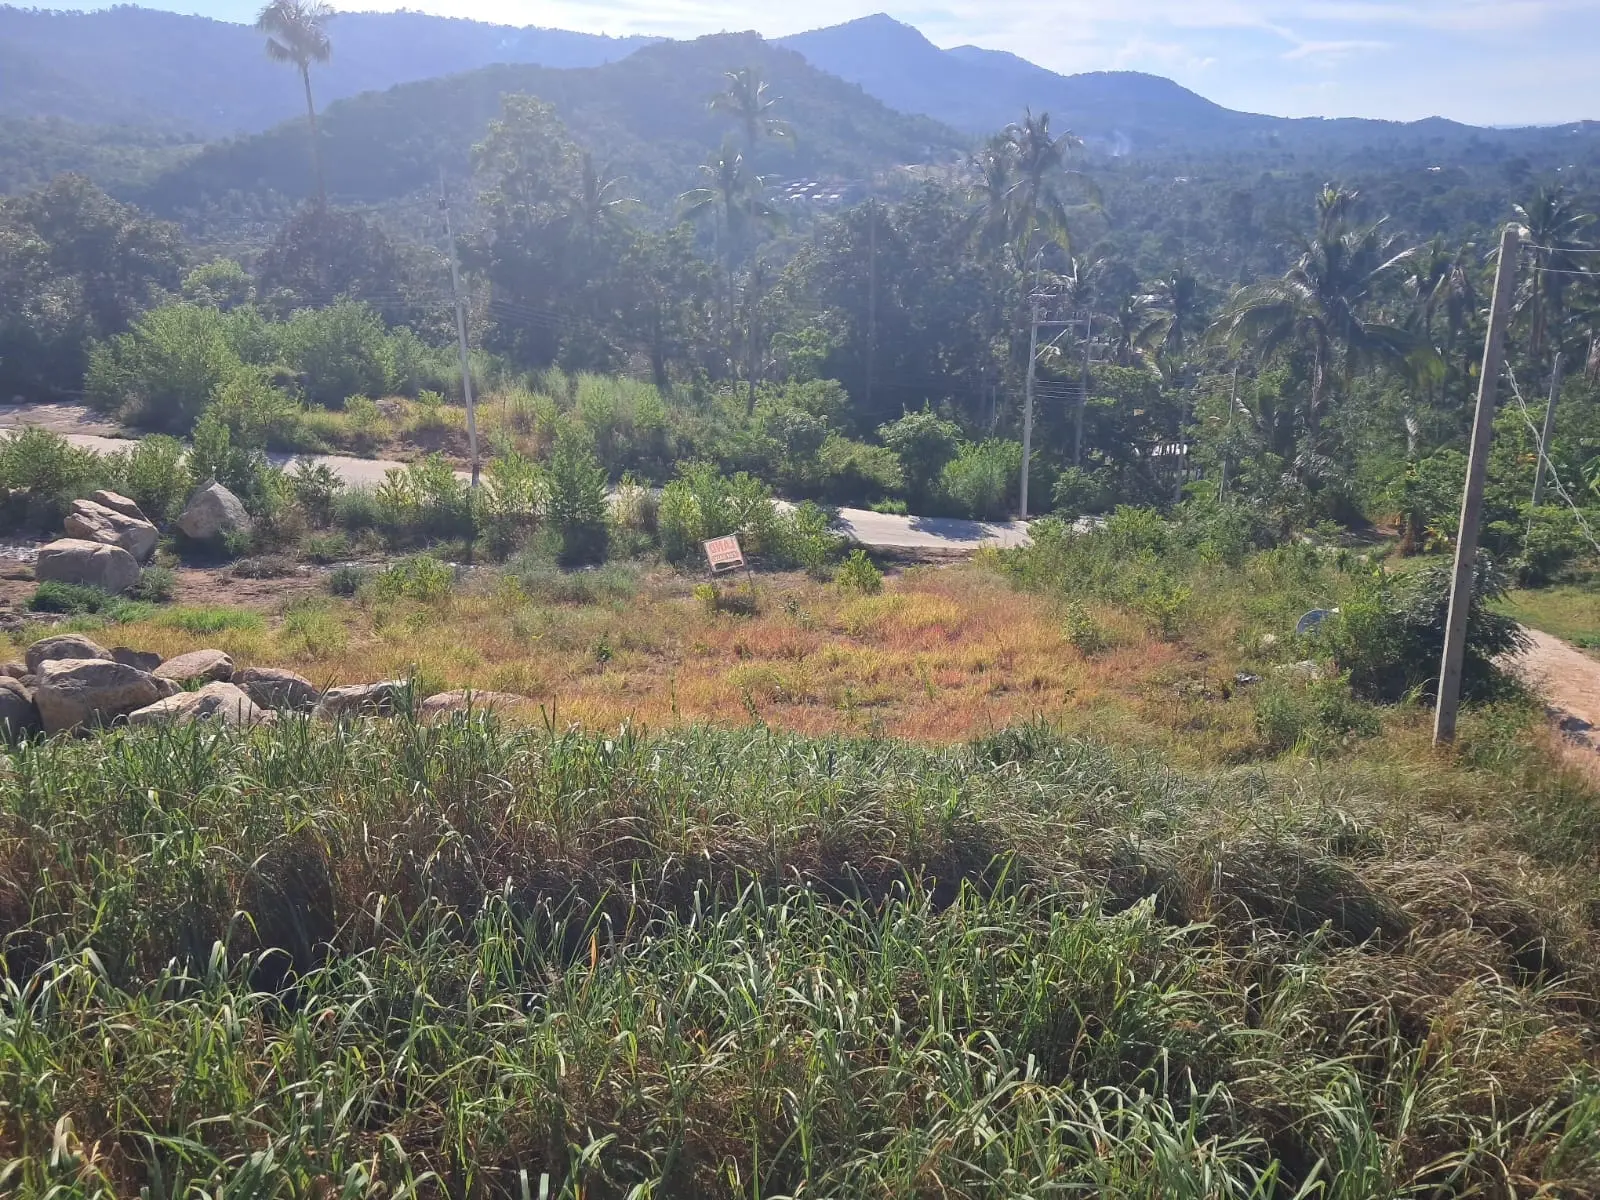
[(1492, 62)]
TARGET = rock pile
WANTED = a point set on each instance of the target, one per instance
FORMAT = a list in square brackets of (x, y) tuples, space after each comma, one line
[(69, 683)]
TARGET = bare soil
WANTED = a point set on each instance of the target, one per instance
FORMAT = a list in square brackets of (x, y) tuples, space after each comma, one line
[(1569, 681)]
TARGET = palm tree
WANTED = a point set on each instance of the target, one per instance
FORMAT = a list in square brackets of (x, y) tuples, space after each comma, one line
[(598, 202), (296, 33), (1555, 228), (745, 99), (1176, 300), (1321, 305), (1040, 158), (992, 191), (1126, 326)]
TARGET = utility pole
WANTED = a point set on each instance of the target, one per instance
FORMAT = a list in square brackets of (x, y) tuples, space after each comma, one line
[(1547, 432), (1083, 395), (461, 335), (1455, 635), (872, 290), (1027, 408)]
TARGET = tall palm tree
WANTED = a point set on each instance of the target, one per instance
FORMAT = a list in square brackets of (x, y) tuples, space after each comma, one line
[(735, 198), (1179, 314), (296, 33), (994, 180), (598, 202), (1323, 305), (745, 99), (1041, 159), (1555, 226)]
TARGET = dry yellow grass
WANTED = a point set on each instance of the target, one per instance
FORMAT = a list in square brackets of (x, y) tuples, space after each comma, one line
[(940, 655)]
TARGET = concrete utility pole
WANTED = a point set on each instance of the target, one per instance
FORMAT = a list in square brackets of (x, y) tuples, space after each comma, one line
[(1027, 408), (1455, 636), (1547, 432), (1083, 395), (461, 335), (872, 289)]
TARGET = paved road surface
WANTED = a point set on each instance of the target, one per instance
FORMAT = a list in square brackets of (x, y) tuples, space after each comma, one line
[(939, 535)]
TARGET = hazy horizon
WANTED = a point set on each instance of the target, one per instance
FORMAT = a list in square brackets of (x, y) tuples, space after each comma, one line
[(1294, 58)]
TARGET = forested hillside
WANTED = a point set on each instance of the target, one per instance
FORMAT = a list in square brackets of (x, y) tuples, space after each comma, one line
[(191, 75), (645, 118)]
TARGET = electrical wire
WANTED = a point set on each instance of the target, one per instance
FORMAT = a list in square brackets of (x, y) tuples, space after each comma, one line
[(1546, 465)]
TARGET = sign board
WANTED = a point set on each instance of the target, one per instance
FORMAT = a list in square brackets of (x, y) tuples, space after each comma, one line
[(723, 554)]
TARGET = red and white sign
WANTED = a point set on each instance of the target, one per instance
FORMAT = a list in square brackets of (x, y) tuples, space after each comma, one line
[(723, 554)]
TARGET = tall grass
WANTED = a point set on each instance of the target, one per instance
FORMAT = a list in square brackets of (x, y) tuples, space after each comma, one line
[(461, 960)]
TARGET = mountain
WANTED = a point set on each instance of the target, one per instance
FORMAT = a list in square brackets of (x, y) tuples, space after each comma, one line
[(140, 66), (645, 117)]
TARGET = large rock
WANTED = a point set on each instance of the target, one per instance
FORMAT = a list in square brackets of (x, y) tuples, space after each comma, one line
[(273, 688), (74, 692), (438, 707), (96, 523), (62, 646), (14, 670), (197, 665), (90, 564), (212, 513), (216, 701), (360, 699), (18, 716), (144, 660), (119, 504)]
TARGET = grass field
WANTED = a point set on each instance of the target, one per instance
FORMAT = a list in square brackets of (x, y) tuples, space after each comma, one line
[(1569, 611), (972, 887)]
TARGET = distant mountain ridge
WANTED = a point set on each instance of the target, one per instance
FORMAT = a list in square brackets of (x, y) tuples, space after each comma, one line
[(178, 73)]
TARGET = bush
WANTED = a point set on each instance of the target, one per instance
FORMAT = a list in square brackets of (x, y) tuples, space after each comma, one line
[(154, 474), (327, 548), (357, 509), (1082, 630), (74, 599), (515, 491), (347, 580), (538, 578), (424, 500), (982, 479), (576, 505), (1077, 492), (46, 473), (419, 577), (1389, 635), (316, 489), (339, 351), (858, 574), (1314, 715), (854, 472), (166, 369), (156, 585), (702, 503), (925, 445)]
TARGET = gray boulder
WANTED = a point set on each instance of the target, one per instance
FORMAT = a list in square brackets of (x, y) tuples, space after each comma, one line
[(14, 670), (212, 513), (436, 708), (144, 660), (18, 716), (360, 699), (76, 692), (90, 564), (270, 687), (216, 701), (118, 503), (96, 523), (197, 665), (62, 646)]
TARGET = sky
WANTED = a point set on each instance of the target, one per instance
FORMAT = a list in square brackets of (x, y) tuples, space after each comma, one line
[(1488, 62)]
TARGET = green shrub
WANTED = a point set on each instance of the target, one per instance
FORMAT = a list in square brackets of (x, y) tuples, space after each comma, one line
[(981, 481), (156, 584), (858, 574), (576, 502), (357, 509), (154, 473), (418, 577), (166, 369), (539, 578), (258, 415), (327, 548), (1316, 715), (46, 473), (316, 489), (925, 445), (1389, 635), (1077, 492), (424, 500), (1082, 630), (339, 351), (53, 596), (515, 491), (347, 580), (203, 620)]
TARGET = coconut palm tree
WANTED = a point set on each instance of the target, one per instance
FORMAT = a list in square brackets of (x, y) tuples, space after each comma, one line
[(1179, 314), (734, 197), (1323, 306), (992, 191), (1041, 158), (297, 33), (745, 99), (1555, 226)]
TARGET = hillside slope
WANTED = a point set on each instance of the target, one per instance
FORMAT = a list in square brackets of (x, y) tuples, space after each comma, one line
[(130, 65), (645, 117)]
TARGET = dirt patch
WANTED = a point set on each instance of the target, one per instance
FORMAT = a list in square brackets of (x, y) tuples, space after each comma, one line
[(219, 585), (61, 418), (1569, 681)]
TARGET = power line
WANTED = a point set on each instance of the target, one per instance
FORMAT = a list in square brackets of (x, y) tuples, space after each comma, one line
[(1546, 465)]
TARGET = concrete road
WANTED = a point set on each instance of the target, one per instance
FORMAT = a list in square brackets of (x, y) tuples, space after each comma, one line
[(938, 535)]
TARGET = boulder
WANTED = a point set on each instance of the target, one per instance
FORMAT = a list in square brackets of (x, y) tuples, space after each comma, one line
[(74, 692), (273, 688), (438, 707), (212, 513), (62, 646), (196, 666), (13, 670), (216, 701), (116, 503), (144, 660), (18, 716), (96, 523), (90, 564), (360, 699)]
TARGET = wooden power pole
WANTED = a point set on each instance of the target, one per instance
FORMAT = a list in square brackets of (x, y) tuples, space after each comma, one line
[(1455, 635)]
